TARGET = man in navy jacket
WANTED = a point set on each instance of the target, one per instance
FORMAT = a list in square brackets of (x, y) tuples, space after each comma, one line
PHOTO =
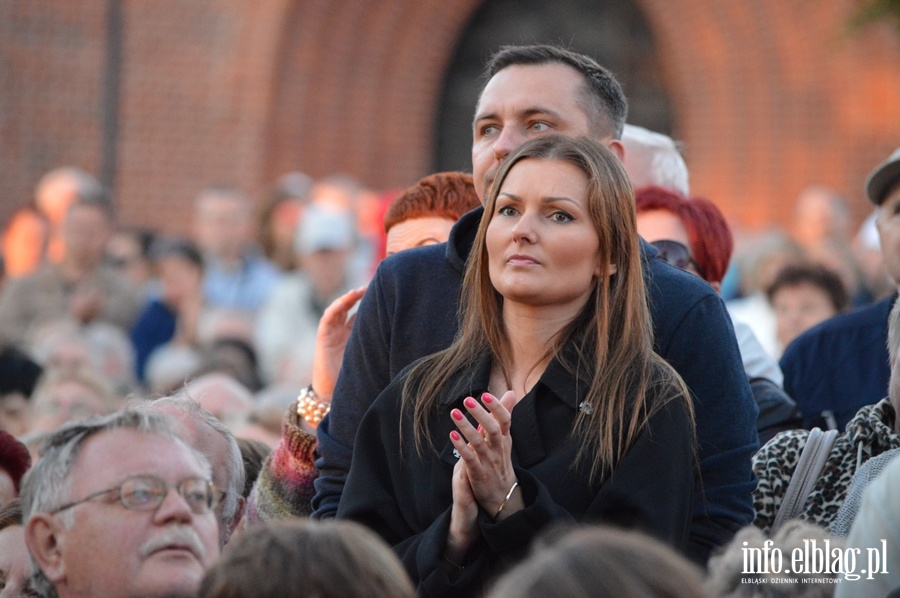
[(842, 364), (409, 309)]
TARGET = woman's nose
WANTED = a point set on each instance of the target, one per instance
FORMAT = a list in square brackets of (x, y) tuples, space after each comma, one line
[(524, 229)]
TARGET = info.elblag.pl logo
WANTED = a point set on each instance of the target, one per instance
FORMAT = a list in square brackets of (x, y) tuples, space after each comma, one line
[(814, 558)]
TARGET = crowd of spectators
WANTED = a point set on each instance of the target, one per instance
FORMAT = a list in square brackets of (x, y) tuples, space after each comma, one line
[(562, 374)]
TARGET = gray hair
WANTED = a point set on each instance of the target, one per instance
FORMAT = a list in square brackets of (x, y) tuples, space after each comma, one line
[(46, 485), (656, 157), (893, 340), (893, 346), (234, 466)]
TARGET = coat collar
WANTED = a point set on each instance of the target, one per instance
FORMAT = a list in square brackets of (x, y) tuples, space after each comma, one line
[(557, 379)]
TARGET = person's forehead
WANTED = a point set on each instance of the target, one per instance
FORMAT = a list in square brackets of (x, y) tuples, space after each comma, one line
[(13, 401), (657, 224), (802, 290), (409, 233), (221, 204), (545, 87), (85, 213), (546, 177), (109, 457), (124, 244), (222, 400), (71, 390), (62, 184)]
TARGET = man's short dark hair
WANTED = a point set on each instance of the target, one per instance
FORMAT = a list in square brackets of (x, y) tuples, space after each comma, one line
[(603, 96)]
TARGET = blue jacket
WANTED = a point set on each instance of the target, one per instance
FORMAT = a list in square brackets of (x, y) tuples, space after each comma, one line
[(840, 365), (410, 310), (154, 327)]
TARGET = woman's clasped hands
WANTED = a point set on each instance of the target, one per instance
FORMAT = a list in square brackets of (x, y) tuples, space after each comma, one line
[(483, 477)]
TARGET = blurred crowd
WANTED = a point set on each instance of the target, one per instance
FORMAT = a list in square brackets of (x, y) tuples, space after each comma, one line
[(94, 313), (100, 312)]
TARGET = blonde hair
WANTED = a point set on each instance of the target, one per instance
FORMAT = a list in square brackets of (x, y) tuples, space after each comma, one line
[(612, 337)]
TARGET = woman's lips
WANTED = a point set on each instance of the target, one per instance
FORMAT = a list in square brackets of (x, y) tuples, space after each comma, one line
[(521, 260)]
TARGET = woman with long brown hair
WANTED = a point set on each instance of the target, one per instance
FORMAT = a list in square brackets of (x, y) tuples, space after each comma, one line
[(579, 419)]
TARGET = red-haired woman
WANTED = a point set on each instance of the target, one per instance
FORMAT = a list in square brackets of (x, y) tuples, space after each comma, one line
[(692, 234)]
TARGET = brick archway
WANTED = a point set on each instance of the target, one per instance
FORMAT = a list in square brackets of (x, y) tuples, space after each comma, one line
[(357, 87)]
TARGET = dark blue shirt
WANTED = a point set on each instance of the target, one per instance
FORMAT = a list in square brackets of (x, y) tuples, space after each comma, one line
[(840, 365), (154, 327)]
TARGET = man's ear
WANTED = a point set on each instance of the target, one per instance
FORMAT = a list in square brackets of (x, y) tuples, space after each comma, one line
[(617, 148), (44, 538), (236, 520)]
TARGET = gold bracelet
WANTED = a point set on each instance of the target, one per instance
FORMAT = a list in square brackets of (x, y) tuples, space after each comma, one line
[(506, 500), (310, 408)]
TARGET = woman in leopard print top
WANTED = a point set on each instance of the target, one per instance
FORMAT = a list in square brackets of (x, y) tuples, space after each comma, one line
[(872, 431)]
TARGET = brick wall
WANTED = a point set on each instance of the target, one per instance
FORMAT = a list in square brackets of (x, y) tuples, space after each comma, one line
[(771, 95), (51, 65), (767, 95)]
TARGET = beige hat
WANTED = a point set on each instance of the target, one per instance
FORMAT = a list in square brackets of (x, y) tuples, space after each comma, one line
[(883, 178)]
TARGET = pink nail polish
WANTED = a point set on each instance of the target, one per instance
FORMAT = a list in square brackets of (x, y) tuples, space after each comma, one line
[(457, 415), (470, 403), (487, 398), (455, 435)]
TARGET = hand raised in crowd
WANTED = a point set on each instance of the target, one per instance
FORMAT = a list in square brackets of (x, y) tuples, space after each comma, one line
[(486, 452), (331, 340), (86, 303)]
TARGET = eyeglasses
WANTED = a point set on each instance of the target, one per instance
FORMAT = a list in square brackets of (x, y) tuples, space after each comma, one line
[(146, 493), (675, 253)]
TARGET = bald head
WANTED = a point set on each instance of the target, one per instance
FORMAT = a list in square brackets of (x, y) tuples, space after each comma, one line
[(60, 188), (221, 395)]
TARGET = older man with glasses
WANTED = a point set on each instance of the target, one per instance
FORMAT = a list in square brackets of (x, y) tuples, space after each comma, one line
[(120, 506)]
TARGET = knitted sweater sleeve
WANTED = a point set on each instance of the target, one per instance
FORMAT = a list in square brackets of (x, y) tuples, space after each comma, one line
[(285, 484)]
